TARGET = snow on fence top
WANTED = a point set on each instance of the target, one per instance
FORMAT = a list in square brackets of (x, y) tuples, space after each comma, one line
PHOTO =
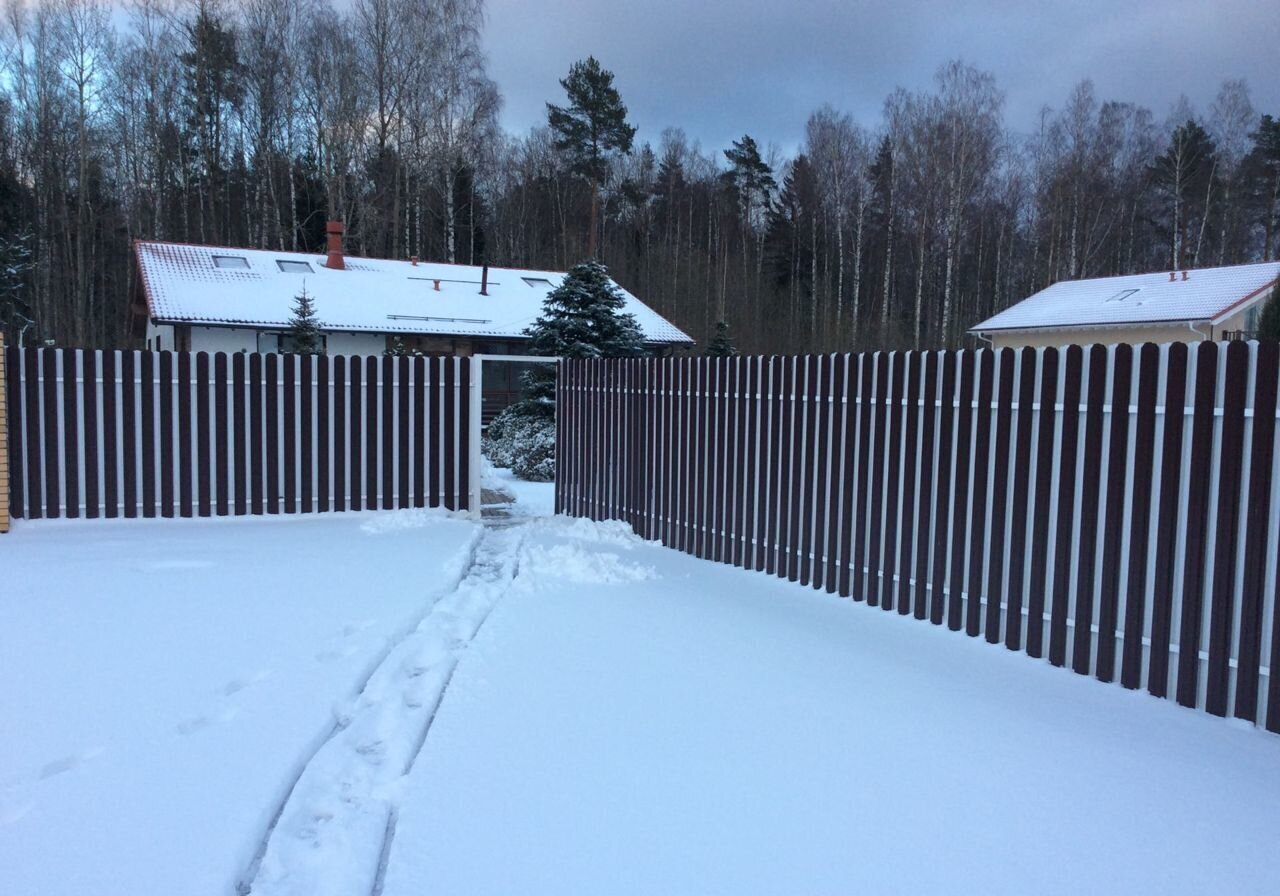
[(1208, 294), (251, 287)]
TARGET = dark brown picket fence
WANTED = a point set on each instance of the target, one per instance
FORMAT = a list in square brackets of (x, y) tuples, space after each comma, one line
[(1116, 510), (128, 434)]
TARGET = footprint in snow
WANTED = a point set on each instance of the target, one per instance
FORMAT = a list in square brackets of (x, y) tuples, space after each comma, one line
[(58, 766), (67, 763), (236, 685)]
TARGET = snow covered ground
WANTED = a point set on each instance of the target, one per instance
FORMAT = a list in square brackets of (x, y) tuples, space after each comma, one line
[(164, 680), (401, 704)]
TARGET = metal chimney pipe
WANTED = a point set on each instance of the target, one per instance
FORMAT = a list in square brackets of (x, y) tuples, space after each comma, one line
[(484, 280)]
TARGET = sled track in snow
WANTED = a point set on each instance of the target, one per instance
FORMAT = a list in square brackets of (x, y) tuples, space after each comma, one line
[(334, 828)]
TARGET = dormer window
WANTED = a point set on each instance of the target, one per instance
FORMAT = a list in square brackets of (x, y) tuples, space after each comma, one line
[(231, 262), (537, 282), (293, 267), (1122, 295)]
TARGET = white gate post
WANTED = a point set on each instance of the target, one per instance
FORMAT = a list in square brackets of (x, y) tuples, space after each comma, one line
[(474, 455)]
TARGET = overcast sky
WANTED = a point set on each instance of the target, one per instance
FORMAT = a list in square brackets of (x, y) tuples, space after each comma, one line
[(720, 69)]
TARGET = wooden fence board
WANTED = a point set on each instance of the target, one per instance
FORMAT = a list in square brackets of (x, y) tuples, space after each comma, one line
[(1112, 531), (1005, 364), (984, 396), (1262, 452)]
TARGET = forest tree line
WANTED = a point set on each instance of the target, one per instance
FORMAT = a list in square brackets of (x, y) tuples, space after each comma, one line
[(251, 123)]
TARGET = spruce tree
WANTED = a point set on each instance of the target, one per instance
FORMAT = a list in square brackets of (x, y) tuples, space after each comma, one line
[(1269, 320), (591, 129), (721, 346), (304, 326), (583, 317)]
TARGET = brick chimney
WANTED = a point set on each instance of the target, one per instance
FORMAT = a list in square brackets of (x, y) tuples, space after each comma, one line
[(333, 229)]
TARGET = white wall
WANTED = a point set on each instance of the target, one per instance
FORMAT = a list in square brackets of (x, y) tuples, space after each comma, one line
[(355, 344), (239, 339), (223, 339), (162, 332)]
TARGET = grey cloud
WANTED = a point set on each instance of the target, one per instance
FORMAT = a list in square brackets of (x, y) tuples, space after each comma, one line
[(721, 69)]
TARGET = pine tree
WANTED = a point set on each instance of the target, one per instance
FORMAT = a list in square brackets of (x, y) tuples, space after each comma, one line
[(750, 176), (1184, 174), (591, 129), (721, 346), (304, 327), (1269, 320)]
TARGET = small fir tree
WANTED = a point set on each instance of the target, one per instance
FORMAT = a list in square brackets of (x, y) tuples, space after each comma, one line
[(304, 326), (721, 346), (1269, 320)]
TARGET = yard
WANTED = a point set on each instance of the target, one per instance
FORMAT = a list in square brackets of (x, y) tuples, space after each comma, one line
[(407, 702)]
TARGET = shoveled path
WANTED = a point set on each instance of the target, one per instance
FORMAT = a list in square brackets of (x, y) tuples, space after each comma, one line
[(338, 822)]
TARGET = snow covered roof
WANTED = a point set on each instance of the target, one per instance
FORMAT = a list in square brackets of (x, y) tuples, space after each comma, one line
[(252, 287), (1207, 294)]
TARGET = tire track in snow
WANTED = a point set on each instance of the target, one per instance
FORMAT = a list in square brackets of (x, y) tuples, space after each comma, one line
[(333, 831)]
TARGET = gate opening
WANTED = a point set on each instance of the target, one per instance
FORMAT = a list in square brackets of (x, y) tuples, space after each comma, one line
[(482, 410)]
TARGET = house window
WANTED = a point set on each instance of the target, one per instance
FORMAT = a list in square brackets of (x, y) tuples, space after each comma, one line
[(1251, 317), (1122, 295), (283, 343), (288, 346), (231, 262), (293, 267), (537, 282)]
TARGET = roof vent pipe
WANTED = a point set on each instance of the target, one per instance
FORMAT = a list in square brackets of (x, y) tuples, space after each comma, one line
[(484, 280), (1173, 275), (437, 283), (1184, 275), (414, 259), (333, 230)]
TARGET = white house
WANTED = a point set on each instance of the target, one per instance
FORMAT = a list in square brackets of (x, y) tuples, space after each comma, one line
[(213, 298), (1172, 306)]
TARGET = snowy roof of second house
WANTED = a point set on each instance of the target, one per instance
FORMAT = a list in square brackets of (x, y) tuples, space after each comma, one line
[(254, 287), (1206, 294)]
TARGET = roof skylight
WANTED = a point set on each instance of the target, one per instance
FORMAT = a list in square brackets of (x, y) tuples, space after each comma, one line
[(537, 282), (231, 262), (293, 267)]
